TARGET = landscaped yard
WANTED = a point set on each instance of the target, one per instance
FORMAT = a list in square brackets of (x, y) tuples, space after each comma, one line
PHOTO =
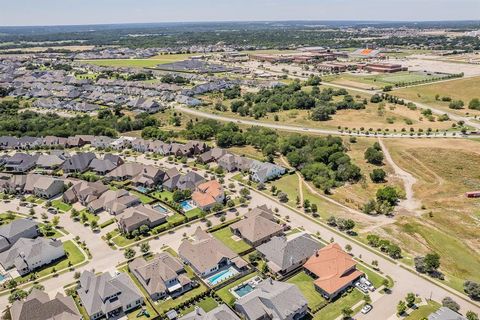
[(305, 283), (176, 218), (60, 205), (374, 277), (194, 213), (33, 199), (224, 293), (206, 304), (423, 311), (334, 309), (164, 306), (225, 235), (163, 195), (143, 198)]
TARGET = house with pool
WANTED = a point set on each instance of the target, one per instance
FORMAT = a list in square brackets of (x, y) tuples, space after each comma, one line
[(210, 258)]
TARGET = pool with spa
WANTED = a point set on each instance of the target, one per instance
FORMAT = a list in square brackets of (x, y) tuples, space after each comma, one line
[(187, 205)]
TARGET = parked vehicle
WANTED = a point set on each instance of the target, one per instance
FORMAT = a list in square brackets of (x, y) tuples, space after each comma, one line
[(366, 308)]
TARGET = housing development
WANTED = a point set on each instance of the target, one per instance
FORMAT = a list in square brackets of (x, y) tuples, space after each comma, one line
[(281, 170)]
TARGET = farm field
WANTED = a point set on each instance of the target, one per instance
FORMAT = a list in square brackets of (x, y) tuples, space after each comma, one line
[(139, 63), (463, 89), (449, 222)]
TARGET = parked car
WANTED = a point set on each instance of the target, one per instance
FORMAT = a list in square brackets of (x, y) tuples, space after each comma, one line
[(366, 308), (52, 210), (361, 287), (367, 283)]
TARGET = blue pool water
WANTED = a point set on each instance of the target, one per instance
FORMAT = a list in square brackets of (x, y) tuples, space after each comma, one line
[(2, 277), (142, 189), (187, 205), (160, 208), (222, 275), (243, 290)]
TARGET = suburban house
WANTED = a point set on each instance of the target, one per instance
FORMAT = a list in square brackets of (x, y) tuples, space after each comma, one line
[(20, 162), (107, 295), (43, 186), (78, 163), (27, 255), (333, 269), (125, 171), (161, 276), (19, 228), (171, 178), (148, 177), (445, 313), (52, 141), (102, 142), (39, 306), (258, 226), (113, 201), (205, 254), (84, 192), (208, 194), (189, 181), (222, 312), (211, 155), (140, 145), (105, 165), (264, 171), (285, 255), (273, 300), (134, 217), (77, 141), (196, 147), (49, 161)]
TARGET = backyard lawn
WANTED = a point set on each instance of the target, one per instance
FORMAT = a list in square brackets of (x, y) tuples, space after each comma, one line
[(194, 213), (206, 304), (224, 293), (164, 306), (176, 218), (225, 235), (163, 195), (143, 198), (305, 283)]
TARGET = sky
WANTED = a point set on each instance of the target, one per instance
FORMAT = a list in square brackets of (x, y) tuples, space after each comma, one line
[(72, 12)]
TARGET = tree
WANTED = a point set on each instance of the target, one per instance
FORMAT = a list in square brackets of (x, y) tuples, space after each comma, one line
[(394, 251), (347, 313), (410, 299), (401, 307), (378, 175), (374, 156), (472, 289), (348, 248), (367, 298), (283, 197), (129, 253), (244, 192), (94, 224), (217, 207), (56, 221), (432, 262), (451, 304), (17, 295), (474, 104), (456, 104), (388, 194), (144, 247), (11, 284), (471, 315)]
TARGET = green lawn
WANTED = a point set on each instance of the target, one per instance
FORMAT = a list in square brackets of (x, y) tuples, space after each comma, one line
[(163, 306), (121, 241), (139, 63), (90, 216), (193, 214), (33, 199), (143, 198), (374, 277), (60, 205), (206, 304), (224, 293), (334, 309), (53, 234), (74, 256), (8, 217), (163, 195), (176, 218), (423, 311), (288, 184), (305, 283), (225, 235)]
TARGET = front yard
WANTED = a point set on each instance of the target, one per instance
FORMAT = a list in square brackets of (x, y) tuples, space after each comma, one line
[(61, 206), (225, 235), (334, 309)]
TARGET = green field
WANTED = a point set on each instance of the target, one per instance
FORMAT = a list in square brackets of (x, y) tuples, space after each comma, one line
[(225, 236), (305, 283), (139, 63)]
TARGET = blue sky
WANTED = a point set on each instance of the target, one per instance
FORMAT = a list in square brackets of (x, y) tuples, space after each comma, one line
[(53, 12)]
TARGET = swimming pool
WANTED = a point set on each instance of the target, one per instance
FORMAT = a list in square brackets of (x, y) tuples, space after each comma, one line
[(142, 189), (160, 208), (243, 290), (187, 205), (222, 275)]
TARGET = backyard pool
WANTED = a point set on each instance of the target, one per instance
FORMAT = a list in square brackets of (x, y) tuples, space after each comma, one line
[(222, 275), (187, 205), (142, 189), (160, 208), (243, 289)]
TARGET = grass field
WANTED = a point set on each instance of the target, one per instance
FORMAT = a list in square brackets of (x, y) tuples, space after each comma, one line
[(305, 283), (378, 80), (463, 89), (449, 224), (334, 309), (423, 311), (139, 63), (225, 236)]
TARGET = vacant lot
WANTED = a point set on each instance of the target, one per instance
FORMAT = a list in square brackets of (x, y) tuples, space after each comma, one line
[(461, 89), (450, 222), (139, 63)]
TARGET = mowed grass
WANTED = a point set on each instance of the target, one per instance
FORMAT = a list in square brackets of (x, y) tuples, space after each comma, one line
[(423, 311), (305, 283), (225, 236), (463, 89), (334, 309), (139, 63)]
